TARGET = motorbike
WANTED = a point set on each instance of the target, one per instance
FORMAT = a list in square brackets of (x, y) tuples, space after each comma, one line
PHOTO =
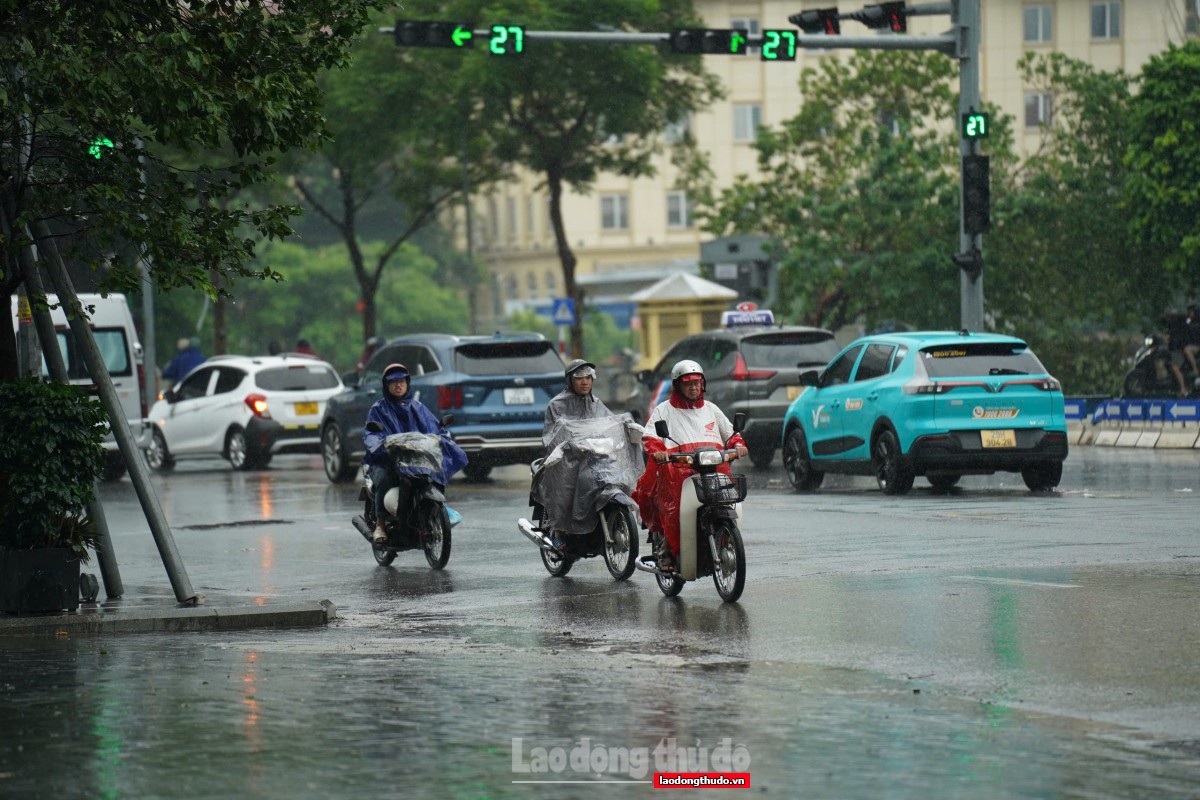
[(426, 521), (1151, 374), (583, 490), (710, 542)]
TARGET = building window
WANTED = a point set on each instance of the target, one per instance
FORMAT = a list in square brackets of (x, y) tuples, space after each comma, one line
[(1039, 24), (493, 218), (676, 132), (614, 212), (551, 282), (510, 209), (751, 27), (531, 280), (746, 119), (679, 210), (1191, 17), (530, 224), (1039, 108), (1106, 20), (512, 287)]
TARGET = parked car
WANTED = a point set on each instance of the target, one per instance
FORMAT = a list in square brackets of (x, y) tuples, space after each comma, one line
[(937, 404), (117, 339), (496, 388), (244, 409), (754, 368)]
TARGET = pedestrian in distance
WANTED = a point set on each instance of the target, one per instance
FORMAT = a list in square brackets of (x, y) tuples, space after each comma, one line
[(186, 359), (304, 348)]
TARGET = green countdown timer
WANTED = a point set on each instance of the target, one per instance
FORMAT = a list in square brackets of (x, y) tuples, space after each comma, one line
[(507, 40), (975, 125), (778, 46)]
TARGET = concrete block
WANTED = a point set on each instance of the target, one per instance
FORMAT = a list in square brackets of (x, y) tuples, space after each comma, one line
[(1088, 435), (1147, 439), (1128, 438), (1177, 438), (1106, 437)]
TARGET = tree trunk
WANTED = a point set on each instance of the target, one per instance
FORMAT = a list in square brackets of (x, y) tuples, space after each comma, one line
[(567, 258)]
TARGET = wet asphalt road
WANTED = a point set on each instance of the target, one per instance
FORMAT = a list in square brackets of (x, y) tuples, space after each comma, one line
[(984, 643)]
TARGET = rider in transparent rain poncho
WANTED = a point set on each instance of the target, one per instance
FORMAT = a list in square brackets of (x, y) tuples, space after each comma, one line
[(589, 457)]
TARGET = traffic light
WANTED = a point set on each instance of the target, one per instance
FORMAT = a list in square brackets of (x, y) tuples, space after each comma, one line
[(821, 20), (708, 41), (975, 125), (976, 194), (884, 15), (428, 33), (778, 45)]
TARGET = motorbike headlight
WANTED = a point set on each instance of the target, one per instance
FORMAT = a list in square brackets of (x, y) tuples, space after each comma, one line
[(1149, 342), (710, 458)]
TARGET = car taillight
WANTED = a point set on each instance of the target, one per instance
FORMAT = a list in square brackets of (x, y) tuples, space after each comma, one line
[(258, 405), (449, 397), (923, 386), (1045, 384), (742, 373)]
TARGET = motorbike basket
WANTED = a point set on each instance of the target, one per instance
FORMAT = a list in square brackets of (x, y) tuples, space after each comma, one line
[(720, 488)]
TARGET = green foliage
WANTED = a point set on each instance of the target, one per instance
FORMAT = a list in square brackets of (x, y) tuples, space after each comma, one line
[(1163, 196), (860, 194), (163, 81), (605, 339), (50, 458), (1085, 364)]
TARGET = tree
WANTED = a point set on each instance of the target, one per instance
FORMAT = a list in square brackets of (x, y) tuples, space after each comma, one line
[(570, 111), (99, 94), (1163, 195), (859, 195), (389, 114)]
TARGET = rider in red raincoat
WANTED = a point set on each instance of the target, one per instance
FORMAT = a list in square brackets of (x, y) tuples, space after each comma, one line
[(690, 421)]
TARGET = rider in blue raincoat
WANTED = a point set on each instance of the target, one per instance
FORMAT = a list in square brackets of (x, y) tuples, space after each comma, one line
[(398, 412)]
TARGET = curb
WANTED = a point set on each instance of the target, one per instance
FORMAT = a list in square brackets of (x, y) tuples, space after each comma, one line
[(94, 620)]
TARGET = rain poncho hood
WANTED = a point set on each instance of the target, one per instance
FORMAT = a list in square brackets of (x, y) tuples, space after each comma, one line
[(406, 415), (592, 462)]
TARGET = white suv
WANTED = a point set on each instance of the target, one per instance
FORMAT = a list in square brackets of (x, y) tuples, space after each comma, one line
[(244, 409)]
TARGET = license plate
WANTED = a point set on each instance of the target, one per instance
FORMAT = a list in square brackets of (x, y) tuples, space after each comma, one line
[(794, 392), (1002, 438), (518, 397), (303, 409)]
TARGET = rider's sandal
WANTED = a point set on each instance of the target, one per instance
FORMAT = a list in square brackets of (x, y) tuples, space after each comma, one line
[(665, 562), (378, 537)]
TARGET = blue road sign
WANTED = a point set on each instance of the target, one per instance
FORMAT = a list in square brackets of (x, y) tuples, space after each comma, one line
[(1182, 410), (563, 312)]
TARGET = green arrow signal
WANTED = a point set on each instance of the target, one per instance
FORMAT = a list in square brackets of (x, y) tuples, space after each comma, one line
[(461, 37), (737, 43)]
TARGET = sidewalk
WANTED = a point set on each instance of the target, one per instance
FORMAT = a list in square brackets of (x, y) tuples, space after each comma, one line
[(144, 612)]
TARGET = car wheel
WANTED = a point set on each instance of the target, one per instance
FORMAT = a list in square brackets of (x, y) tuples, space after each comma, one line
[(1042, 477), (762, 455), (335, 456), (236, 450), (157, 455), (892, 472), (477, 472), (943, 482), (797, 464)]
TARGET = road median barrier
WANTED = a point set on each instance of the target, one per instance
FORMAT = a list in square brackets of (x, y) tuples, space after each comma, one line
[(1154, 423)]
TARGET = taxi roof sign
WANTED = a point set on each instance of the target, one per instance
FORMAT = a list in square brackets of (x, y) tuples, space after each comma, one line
[(731, 319)]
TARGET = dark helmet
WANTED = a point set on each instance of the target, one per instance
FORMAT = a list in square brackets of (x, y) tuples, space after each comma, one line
[(575, 366), (375, 342), (394, 372)]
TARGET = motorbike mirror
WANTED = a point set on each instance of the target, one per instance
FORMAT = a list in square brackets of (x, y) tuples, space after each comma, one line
[(374, 427), (661, 429), (447, 420), (739, 421)]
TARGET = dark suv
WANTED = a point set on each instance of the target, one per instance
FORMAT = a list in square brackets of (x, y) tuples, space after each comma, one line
[(751, 368), (497, 388)]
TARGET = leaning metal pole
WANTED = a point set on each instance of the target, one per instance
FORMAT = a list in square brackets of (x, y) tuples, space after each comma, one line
[(110, 573), (139, 473)]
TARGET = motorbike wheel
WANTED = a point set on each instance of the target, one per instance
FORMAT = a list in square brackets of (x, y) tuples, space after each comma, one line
[(729, 571), (620, 553), (435, 535), (1136, 385), (670, 585), (383, 556), (556, 564)]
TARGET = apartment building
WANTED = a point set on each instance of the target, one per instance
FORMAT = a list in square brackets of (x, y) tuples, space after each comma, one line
[(628, 233)]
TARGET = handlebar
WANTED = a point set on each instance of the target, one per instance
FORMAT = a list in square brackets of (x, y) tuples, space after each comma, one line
[(693, 456)]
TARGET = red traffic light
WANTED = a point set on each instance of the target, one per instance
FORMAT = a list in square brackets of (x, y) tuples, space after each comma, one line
[(821, 20)]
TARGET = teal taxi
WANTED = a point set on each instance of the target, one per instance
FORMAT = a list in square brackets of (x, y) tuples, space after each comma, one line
[(938, 404)]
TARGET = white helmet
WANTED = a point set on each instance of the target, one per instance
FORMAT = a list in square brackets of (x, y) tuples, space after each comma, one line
[(686, 367)]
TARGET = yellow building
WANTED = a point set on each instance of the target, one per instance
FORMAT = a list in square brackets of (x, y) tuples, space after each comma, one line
[(629, 233)]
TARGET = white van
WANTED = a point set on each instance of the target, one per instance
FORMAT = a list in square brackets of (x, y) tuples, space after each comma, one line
[(112, 326)]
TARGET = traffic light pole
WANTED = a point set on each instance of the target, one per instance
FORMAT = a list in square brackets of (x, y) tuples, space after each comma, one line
[(965, 15), (962, 43)]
